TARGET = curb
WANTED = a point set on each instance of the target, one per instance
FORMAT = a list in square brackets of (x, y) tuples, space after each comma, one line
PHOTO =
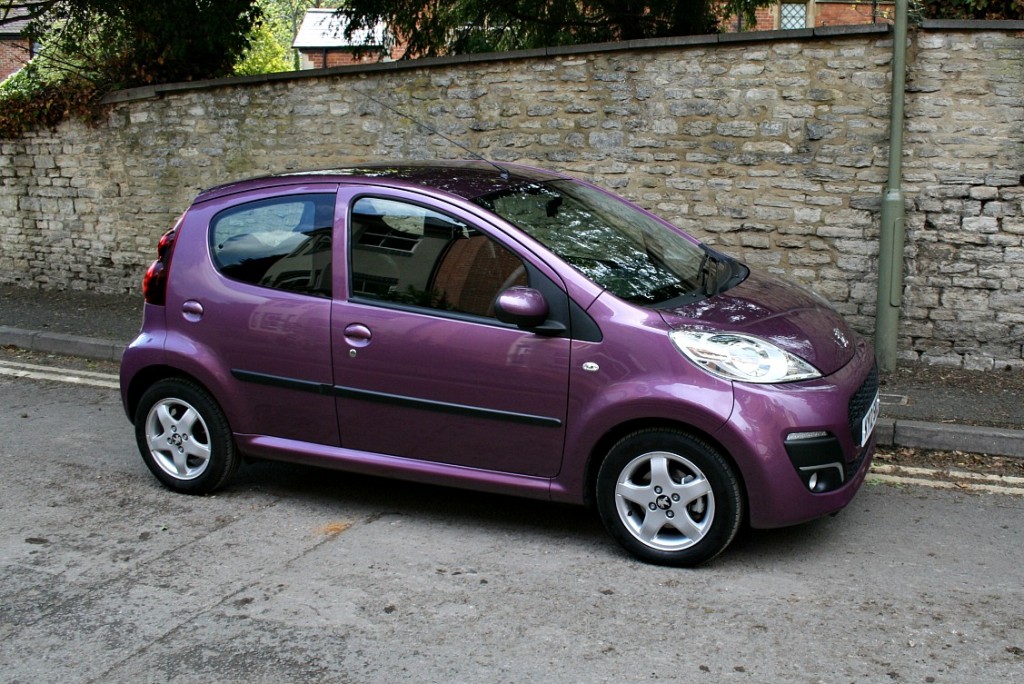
[(59, 343), (891, 432), (920, 434)]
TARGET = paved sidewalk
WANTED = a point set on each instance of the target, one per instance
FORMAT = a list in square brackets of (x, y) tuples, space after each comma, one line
[(930, 408)]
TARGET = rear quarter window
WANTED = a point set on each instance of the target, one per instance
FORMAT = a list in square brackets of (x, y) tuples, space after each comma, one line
[(282, 243)]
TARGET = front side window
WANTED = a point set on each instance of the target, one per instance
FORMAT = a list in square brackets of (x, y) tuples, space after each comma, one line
[(611, 242), (408, 254), (282, 243)]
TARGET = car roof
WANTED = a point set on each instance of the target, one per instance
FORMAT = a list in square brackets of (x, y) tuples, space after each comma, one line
[(466, 179)]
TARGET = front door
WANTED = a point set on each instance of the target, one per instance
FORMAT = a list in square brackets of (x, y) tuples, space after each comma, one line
[(423, 369)]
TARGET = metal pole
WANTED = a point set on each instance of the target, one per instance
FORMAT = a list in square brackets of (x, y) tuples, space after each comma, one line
[(893, 218)]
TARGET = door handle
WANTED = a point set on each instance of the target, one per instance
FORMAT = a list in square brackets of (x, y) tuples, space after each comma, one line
[(357, 335)]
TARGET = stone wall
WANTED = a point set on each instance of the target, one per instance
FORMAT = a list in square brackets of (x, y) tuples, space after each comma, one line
[(964, 177), (773, 148)]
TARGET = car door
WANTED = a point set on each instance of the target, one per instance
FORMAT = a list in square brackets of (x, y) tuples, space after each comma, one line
[(423, 368), (264, 307)]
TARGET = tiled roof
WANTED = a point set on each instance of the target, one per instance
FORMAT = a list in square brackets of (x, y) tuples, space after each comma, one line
[(15, 27), (322, 28)]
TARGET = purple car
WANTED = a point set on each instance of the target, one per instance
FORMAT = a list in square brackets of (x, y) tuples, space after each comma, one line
[(499, 328)]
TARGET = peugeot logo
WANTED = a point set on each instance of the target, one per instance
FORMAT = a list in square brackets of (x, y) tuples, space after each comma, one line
[(840, 338), (663, 502)]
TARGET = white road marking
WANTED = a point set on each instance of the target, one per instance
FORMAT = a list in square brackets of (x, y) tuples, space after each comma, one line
[(72, 376), (947, 479)]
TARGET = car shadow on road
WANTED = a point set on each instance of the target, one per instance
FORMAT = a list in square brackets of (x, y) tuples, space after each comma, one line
[(369, 498), (376, 496), (825, 538)]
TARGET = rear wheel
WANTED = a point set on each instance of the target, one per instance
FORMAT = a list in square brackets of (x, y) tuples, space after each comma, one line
[(669, 497), (184, 437)]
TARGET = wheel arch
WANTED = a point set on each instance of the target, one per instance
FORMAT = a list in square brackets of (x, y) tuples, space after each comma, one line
[(147, 377)]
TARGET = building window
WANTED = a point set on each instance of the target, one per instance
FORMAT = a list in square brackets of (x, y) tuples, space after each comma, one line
[(793, 15)]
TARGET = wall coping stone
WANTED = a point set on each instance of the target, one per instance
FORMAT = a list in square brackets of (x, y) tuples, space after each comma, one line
[(851, 30), (150, 92), (971, 25), (752, 36)]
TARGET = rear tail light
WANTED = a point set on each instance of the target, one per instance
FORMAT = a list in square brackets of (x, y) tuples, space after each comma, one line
[(154, 283)]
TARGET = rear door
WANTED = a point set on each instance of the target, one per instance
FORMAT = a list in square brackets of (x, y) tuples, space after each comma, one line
[(256, 295), (423, 369)]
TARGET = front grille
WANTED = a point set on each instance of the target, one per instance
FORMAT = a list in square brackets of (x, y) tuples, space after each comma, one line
[(860, 402)]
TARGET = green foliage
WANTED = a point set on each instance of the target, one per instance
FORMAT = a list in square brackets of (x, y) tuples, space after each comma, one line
[(125, 43), (90, 47), (974, 9), (28, 100), (265, 54), (461, 26)]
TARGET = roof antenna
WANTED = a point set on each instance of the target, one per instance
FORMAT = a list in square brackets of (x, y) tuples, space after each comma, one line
[(430, 129)]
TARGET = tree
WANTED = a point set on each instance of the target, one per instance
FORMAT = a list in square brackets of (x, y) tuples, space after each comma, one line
[(974, 9), (124, 43), (460, 26), (266, 52), (90, 47)]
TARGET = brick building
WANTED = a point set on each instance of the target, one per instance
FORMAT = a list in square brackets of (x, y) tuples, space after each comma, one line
[(15, 50), (814, 13), (321, 43)]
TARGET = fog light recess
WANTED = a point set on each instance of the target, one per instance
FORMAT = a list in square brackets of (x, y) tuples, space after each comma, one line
[(818, 460)]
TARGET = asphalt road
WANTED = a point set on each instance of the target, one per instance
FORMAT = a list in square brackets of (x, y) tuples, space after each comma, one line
[(300, 575)]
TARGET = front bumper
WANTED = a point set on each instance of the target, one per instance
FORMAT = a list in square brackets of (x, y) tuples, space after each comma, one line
[(799, 446)]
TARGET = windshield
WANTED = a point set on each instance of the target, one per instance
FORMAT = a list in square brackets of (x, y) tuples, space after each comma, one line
[(611, 242)]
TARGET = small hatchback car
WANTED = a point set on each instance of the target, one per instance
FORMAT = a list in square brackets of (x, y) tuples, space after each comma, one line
[(499, 328)]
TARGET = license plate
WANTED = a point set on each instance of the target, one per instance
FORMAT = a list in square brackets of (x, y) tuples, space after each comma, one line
[(867, 424)]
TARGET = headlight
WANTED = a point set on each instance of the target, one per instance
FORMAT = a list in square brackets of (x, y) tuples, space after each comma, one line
[(741, 357)]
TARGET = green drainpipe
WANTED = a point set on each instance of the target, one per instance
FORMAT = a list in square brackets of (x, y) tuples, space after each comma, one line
[(893, 220)]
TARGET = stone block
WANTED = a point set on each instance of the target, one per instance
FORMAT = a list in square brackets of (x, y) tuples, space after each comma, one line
[(983, 224), (978, 362), (983, 192)]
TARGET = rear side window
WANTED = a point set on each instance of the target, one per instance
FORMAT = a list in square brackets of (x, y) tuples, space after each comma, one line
[(281, 242), (411, 255)]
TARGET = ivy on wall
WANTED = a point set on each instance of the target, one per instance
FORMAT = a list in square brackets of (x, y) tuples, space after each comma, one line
[(29, 102)]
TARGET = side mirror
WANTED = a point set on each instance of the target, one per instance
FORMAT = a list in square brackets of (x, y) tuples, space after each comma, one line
[(521, 306)]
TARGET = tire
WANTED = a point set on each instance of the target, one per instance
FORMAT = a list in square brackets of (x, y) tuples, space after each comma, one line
[(184, 437), (669, 498)]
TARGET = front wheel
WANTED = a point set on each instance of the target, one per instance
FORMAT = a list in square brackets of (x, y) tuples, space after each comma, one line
[(669, 498), (184, 437)]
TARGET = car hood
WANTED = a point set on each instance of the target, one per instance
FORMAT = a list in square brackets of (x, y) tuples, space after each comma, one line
[(789, 316)]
